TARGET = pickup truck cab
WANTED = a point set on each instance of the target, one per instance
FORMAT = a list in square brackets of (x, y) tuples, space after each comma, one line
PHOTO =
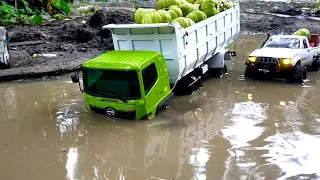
[(286, 56), (4, 49)]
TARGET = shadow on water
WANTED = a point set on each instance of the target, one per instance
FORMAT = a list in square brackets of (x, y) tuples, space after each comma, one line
[(232, 128)]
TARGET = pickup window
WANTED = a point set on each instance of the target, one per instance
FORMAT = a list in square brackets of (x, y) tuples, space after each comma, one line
[(283, 42), (305, 44)]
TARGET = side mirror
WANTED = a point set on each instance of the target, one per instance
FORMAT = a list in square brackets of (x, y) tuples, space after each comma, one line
[(75, 78)]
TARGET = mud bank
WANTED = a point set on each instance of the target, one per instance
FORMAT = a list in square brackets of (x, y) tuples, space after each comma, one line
[(75, 41)]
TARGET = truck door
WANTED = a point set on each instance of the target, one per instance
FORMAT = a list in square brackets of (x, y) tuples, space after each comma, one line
[(152, 86), (306, 57)]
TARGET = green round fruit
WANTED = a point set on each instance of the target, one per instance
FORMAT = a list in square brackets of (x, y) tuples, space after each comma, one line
[(177, 10), (210, 7), (165, 15), (228, 5), (303, 32), (200, 15), (193, 17), (198, 2), (182, 2), (190, 22), (188, 8), (152, 18), (172, 14), (307, 32), (184, 22), (161, 4), (191, 1), (140, 12)]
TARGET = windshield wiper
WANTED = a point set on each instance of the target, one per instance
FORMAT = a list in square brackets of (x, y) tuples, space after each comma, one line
[(114, 95)]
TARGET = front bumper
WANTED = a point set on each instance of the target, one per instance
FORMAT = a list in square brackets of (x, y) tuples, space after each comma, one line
[(110, 111), (274, 68)]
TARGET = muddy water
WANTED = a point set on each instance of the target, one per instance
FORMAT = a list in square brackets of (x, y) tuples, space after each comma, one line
[(232, 128)]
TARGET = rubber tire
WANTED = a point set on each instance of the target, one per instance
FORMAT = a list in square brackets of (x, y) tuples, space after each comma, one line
[(298, 74), (316, 63), (251, 73), (218, 72)]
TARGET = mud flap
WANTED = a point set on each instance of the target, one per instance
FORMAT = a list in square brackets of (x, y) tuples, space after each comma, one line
[(187, 85)]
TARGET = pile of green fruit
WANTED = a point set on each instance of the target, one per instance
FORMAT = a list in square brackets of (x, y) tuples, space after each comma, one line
[(185, 12), (303, 32)]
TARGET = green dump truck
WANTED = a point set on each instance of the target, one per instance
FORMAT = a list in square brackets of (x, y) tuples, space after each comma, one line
[(152, 62)]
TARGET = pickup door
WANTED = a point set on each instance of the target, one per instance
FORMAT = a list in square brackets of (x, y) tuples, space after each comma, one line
[(305, 54)]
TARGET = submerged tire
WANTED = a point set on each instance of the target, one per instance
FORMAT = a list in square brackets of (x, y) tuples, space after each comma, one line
[(251, 73), (218, 72), (316, 63), (298, 74)]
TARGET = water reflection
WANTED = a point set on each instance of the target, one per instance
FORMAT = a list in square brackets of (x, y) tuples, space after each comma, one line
[(71, 165), (232, 128), (296, 154)]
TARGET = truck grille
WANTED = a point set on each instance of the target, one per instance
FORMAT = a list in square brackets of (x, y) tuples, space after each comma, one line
[(118, 113), (267, 59)]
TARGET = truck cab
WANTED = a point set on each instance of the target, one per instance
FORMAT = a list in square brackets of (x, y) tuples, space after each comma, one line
[(285, 56), (126, 84)]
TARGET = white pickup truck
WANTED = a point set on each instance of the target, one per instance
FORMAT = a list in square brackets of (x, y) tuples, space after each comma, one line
[(285, 56)]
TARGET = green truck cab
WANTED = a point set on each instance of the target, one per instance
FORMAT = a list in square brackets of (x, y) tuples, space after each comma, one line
[(126, 84)]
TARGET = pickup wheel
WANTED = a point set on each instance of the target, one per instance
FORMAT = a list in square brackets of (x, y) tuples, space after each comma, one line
[(315, 63), (298, 74), (254, 74)]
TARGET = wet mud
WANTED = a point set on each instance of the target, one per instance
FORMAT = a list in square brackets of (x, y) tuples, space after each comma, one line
[(83, 38)]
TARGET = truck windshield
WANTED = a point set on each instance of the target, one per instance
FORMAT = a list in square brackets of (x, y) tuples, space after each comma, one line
[(118, 84), (283, 42)]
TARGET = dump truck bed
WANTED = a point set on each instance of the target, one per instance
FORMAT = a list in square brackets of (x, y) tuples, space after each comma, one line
[(184, 49)]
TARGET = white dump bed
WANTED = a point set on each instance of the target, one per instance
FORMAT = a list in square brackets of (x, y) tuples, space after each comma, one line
[(183, 49)]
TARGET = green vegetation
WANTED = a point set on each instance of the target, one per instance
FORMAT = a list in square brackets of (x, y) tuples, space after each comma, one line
[(32, 12)]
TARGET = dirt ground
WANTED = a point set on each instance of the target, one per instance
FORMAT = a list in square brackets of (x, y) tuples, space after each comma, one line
[(78, 40)]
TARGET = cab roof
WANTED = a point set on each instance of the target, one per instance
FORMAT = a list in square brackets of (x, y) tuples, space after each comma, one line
[(122, 59)]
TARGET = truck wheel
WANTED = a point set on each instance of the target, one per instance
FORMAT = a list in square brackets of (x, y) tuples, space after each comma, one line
[(218, 72), (298, 74), (251, 73), (315, 63), (248, 72)]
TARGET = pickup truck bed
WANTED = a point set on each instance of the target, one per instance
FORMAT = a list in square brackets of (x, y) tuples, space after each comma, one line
[(314, 40)]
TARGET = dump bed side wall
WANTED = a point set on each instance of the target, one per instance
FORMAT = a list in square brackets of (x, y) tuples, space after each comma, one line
[(206, 38), (183, 49)]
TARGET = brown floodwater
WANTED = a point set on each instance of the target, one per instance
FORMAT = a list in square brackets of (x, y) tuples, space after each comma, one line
[(232, 128)]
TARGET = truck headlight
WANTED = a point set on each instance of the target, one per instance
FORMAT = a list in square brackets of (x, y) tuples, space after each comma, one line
[(252, 59), (286, 61)]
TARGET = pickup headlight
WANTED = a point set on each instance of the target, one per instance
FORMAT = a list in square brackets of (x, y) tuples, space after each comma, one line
[(286, 61), (252, 59)]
